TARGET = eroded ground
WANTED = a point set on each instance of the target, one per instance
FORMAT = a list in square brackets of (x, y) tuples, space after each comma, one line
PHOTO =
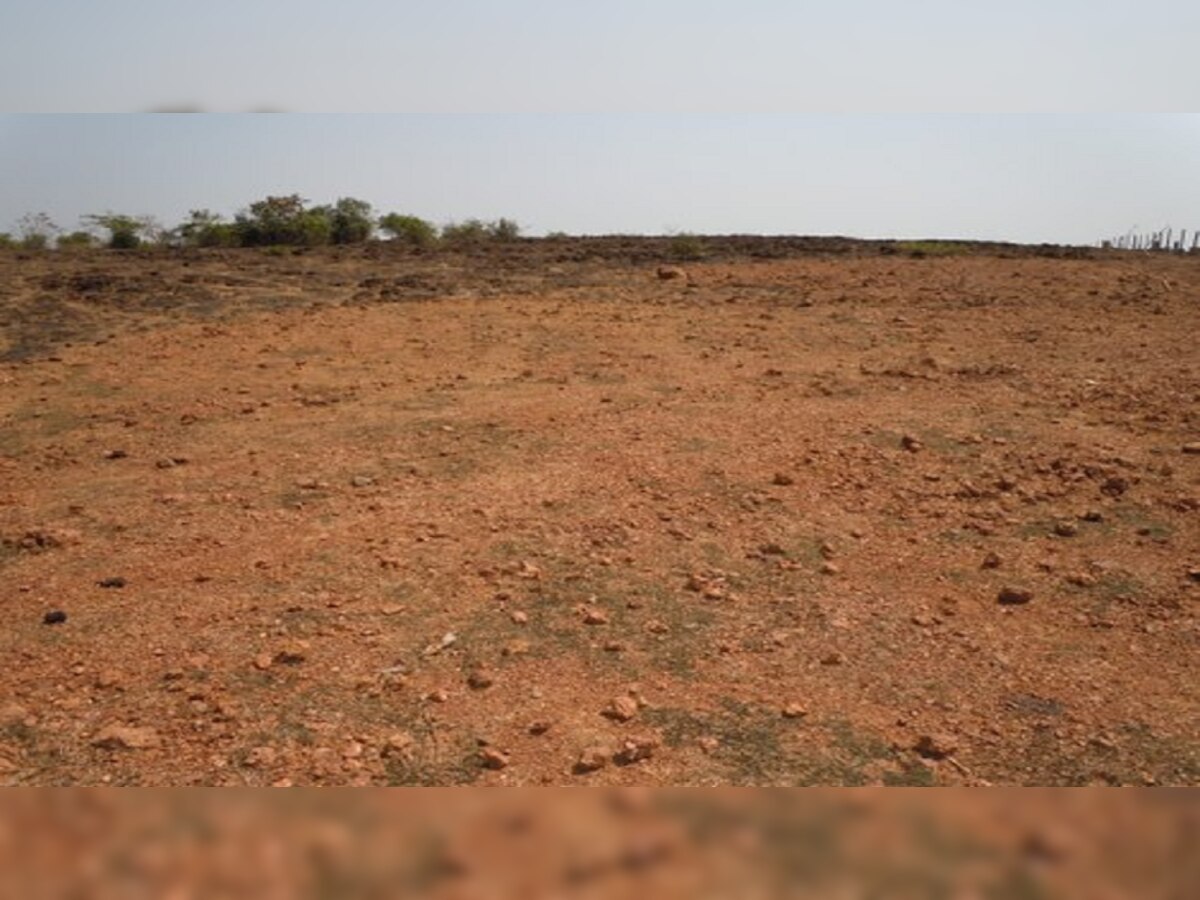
[(534, 518)]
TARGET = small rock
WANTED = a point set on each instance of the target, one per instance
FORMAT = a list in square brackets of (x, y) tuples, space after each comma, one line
[(991, 561), (121, 737), (539, 727), (480, 679), (635, 749), (54, 617), (262, 662), (1010, 596), (519, 618), (12, 714), (592, 759), (794, 711), (783, 480), (261, 757), (936, 746), (1093, 515), (361, 481), (116, 582), (1114, 486), (595, 616), (516, 648), (621, 709), (115, 454), (1192, 447), (911, 444), (292, 653), (830, 568), (491, 758), (708, 744), (107, 678), (398, 744), (671, 273), (1194, 573), (615, 646), (833, 659), (438, 696), (1066, 528)]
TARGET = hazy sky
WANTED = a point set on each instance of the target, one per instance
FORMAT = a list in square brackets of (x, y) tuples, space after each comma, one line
[(611, 56), (1071, 179)]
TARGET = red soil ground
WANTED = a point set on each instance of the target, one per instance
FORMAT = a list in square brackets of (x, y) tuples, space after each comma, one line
[(536, 516)]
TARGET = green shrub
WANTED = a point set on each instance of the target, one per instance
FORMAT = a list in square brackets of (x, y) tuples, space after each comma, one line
[(205, 228), (504, 230), (350, 221), (6, 240), (477, 231), (411, 230), (284, 221), (687, 247), (76, 240), (919, 249), (36, 230), (125, 232)]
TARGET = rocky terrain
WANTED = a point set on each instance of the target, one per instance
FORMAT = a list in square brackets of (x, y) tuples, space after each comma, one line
[(797, 512)]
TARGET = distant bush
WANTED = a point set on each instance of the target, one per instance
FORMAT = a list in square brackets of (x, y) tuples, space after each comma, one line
[(283, 221), (126, 232), (76, 240), (504, 230), (36, 230), (350, 221), (477, 231), (920, 249), (411, 230), (6, 240), (205, 228), (557, 236), (685, 246)]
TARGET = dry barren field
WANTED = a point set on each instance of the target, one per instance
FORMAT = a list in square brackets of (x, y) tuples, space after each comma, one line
[(535, 515)]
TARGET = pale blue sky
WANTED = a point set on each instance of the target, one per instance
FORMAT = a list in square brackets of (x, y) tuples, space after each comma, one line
[(612, 56), (1070, 179)]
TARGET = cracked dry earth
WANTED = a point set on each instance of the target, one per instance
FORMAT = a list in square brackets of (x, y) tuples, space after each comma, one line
[(381, 519)]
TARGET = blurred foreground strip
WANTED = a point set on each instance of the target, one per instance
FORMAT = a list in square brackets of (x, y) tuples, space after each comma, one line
[(602, 843)]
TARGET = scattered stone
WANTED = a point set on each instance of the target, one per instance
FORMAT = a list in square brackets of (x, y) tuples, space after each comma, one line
[(621, 709), (491, 758), (1194, 573), (519, 618), (991, 561), (833, 659), (262, 662), (116, 454), (107, 678), (771, 549), (708, 744), (783, 480), (12, 714), (936, 746), (1192, 447), (794, 711), (480, 679), (615, 646), (592, 759), (399, 744), (1114, 486), (292, 654), (438, 696), (830, 568), (671, 273), (261, 757), (54, 617), (911, 444), (1011, 596), (111, 582), (595, 616), (635, 749), (1066, 528), (121, 737), (539, 727), (1093, 515), (516, 648), (392, 609), (361, 481)]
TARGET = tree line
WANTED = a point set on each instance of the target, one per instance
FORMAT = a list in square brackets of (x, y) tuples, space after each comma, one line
[(271, 222)]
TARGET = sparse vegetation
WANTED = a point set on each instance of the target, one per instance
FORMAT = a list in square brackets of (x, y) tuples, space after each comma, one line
[(686, 247), (37, 231), (411, 230), (920, 249), (125, 232)]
